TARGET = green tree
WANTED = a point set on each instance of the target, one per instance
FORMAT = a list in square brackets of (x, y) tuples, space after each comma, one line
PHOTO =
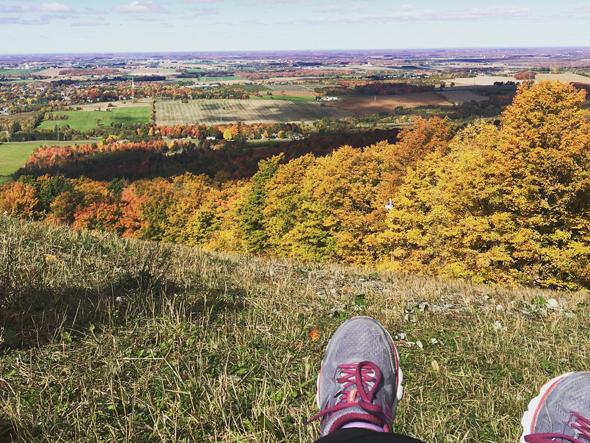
[(250, 212)]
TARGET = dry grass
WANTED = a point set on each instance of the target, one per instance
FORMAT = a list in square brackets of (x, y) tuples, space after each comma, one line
[(20, 117), (566, 77), (141, 102), (117, 340), (387, 103)]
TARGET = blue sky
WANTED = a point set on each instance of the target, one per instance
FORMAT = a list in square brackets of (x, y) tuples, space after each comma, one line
[(66, 26)]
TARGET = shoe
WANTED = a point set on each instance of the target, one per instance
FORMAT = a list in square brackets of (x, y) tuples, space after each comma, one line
[(561, 411), (360, 381)]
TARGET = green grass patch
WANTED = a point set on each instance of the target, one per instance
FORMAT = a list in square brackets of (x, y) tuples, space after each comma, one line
[(83, 120), (14, 155), (19, 71), (126, 340), (293, 98)]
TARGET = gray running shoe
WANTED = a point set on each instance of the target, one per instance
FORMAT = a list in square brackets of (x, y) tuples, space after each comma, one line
[(561, 411), (360, 382)]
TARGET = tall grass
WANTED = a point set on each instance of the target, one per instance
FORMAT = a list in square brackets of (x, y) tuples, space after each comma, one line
[(106, 339)]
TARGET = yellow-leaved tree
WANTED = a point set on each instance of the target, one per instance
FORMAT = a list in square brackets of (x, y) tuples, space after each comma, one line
[(508, 205)]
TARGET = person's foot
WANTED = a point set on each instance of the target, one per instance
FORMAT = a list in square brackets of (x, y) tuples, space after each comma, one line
[(561, 411), (360, 381)]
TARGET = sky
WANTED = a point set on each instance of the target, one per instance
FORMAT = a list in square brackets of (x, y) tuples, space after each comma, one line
[(106, 26)]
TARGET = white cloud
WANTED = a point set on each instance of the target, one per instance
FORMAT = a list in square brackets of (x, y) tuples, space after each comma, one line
[(428, 15), (139, 7), (54, 7), (407, 7), (44, 7)]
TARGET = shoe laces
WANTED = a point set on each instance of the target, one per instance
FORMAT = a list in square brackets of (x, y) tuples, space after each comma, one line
[(581, 424), (363, 378)]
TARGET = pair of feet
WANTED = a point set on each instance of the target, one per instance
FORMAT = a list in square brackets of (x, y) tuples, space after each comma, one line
[(360, 384)]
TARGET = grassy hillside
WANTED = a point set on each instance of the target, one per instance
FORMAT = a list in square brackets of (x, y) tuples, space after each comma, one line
[(107, 339)]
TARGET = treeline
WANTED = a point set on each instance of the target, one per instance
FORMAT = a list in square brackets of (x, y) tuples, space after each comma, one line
[(503, 204), (157, 158), (224, 214)]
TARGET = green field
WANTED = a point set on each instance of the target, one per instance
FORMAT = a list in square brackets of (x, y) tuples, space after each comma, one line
[(14, 155), (211, 112), (84, 120), (18, 71)]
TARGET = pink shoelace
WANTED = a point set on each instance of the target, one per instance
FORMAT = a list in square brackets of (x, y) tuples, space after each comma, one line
[(582, 424), (361, 375)]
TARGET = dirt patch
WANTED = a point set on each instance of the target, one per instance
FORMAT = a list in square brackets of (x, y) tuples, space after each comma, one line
[(387, 103), (463, 96), (50, 72)]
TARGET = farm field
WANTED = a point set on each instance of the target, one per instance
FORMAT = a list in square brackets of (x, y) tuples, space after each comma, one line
[(19, 71), (14, 155), (141, 102), (84, 120), (288, 96), (480, 80), (387, 103), (567, 77), (461, 96), (248, 111), (291, 89)]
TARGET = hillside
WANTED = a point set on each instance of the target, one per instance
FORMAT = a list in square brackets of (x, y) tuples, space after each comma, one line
[(110, 339)]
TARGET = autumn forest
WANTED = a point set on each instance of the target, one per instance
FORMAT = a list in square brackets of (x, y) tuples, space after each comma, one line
[(493, 203)]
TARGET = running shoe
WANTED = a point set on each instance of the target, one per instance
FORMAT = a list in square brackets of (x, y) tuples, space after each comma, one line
[(561, 411), (360, 381)]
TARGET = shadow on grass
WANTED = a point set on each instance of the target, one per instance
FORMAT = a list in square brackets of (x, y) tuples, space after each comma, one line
[(49, 293)]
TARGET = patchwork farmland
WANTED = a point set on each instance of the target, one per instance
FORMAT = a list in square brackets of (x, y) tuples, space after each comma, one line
[(212, 112)]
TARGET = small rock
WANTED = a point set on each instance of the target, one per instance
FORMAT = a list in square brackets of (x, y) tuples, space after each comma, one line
[(552, 304)]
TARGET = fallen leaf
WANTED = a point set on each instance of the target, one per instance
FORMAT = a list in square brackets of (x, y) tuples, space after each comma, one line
[(314, 334)]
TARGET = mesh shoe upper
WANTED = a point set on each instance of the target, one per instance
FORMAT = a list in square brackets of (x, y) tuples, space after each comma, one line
[(560, 412), (360, 379)]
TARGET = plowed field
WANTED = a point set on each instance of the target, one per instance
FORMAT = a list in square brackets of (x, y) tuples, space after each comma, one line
[(212, 112)]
